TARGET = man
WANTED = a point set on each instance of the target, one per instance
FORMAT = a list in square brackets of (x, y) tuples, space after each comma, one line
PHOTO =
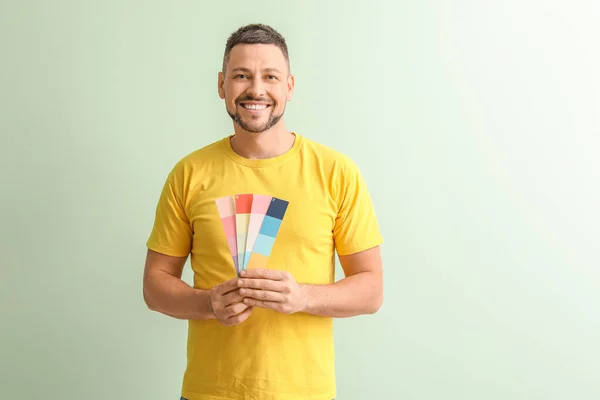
[(262, 213)]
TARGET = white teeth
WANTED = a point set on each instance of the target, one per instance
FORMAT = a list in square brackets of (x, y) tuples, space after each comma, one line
[(255, 106)]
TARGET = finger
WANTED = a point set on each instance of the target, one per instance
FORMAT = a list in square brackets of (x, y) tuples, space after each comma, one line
[(228, 286), (263, 295), (264, 284), (238, 319), (234, 309), (264, 273), (272, 305), (231, 298)]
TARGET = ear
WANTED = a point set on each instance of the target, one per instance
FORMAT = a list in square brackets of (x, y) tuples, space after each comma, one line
[(220, 84), (291, 83)]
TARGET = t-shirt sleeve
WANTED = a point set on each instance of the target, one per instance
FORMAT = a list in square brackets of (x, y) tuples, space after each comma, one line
[(356, 227), (172, 232)]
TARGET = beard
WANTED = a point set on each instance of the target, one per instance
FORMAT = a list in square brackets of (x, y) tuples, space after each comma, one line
[(255, 126)]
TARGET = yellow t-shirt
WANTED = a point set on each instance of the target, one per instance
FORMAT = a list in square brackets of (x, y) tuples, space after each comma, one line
[(323, 206)]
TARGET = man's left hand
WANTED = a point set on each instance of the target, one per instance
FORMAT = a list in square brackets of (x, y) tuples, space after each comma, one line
[(276, 290)]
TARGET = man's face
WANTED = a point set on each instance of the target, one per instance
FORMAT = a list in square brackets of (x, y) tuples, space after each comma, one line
[(256, 86)]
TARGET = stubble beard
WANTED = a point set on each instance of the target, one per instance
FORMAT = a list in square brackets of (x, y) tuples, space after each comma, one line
[(271, 121)]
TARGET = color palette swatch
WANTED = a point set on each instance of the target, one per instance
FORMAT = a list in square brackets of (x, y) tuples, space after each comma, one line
[(226, 207), (243, 206), (251, 223)]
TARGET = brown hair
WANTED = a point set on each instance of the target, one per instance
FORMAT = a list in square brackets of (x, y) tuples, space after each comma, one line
[(255, 34)]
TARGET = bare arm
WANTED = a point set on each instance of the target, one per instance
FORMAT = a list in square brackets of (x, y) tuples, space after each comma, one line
[(167, 293), (360, 292)]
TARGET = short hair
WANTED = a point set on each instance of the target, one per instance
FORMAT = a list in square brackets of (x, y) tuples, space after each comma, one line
[(255, 34)]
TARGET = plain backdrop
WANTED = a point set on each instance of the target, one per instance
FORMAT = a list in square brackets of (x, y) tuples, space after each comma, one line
[(476, 125)]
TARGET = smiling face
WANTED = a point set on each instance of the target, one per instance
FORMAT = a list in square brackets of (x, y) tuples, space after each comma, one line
[(256, 86)]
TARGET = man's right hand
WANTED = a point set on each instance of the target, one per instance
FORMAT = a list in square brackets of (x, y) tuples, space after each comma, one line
[(227, 303)]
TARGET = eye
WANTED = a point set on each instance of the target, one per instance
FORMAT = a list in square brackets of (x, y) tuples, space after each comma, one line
[(240, 76), (271, 77)]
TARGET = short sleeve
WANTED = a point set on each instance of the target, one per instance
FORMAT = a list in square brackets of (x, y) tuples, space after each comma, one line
[(172, 232), (356, 227)]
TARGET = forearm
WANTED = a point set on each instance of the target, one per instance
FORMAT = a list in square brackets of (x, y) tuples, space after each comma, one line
[(357, 294), (171, 296)]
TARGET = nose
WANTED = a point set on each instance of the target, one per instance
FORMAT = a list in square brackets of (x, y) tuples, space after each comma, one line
[(256, 88)]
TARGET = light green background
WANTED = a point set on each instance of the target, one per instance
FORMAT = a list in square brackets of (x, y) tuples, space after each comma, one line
[(475, 123)]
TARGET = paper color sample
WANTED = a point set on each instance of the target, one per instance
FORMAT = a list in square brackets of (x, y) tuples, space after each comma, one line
[(267, 234), (226, 207), (243, 206), (260, 205)]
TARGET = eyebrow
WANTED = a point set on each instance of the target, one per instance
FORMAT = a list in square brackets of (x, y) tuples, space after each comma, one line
[(242, 69)]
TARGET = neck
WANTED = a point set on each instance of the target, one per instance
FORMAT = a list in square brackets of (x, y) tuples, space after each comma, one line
[(267, 144)]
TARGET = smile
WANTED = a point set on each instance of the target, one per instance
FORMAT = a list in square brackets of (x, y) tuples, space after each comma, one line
[(255, 107)]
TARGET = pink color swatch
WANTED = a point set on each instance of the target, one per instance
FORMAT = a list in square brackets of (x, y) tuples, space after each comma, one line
[(226, 207), (260, 205)]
